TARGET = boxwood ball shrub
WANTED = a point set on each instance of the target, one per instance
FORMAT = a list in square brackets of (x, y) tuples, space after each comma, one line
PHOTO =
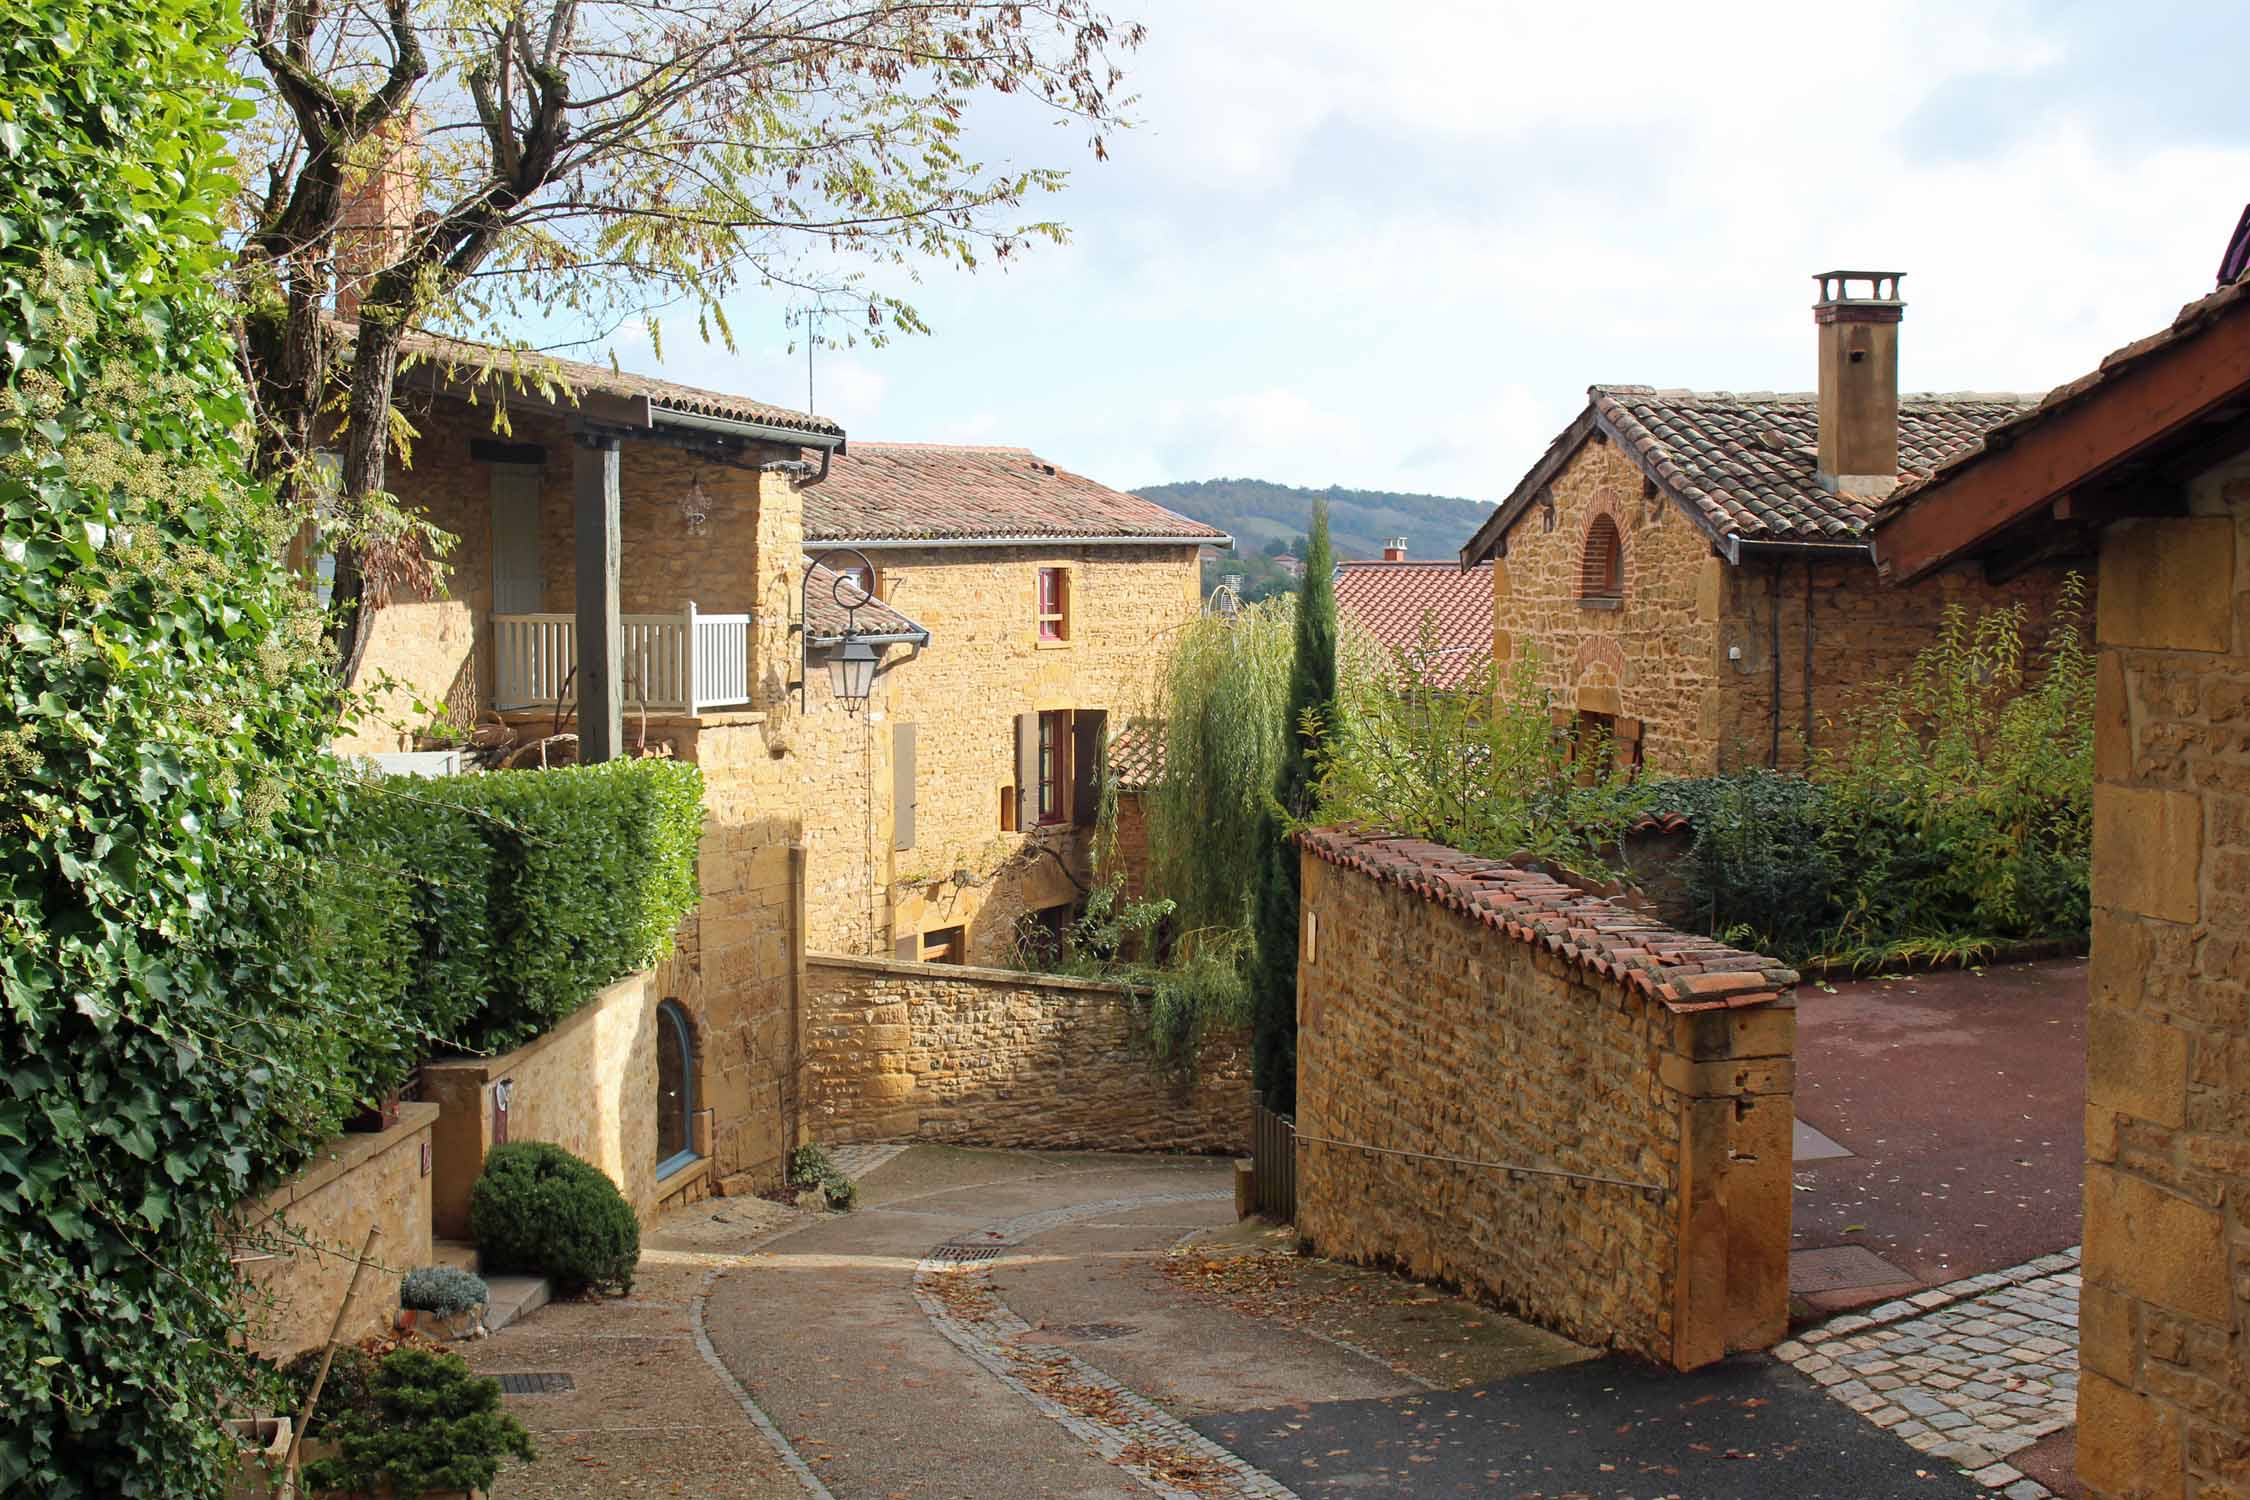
[(541, 1211), (445, 1290)]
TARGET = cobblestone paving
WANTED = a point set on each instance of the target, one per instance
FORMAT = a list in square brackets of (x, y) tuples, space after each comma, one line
[(856, 1162), (1157, 1448), (1969, 1372)]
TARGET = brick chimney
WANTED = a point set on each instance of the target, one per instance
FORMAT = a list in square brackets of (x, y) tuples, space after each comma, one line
[(1858, 315), (1394, 550), (380, 202)]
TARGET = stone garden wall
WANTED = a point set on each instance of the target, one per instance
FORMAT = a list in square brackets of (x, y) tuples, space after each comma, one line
[(1462, 1008), (997, 1057)]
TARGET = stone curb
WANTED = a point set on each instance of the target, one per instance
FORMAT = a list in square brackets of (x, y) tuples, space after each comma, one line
[(1922, 1304), (990, 1341)]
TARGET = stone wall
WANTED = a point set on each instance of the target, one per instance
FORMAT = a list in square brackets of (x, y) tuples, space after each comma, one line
[(1661, 655), (2164, 1403), (588, 1086), (1855, 630), (314, 1225), (1655, 656), (1543, 1029), (996, 1057)]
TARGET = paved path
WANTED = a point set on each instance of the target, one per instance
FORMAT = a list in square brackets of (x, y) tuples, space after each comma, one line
[(1961, 1096), (1971, 1373), (1010, 1326)]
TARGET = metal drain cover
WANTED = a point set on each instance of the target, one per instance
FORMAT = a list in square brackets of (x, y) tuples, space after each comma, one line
[(1840, 1268), (969, 1252), (536, 1383)]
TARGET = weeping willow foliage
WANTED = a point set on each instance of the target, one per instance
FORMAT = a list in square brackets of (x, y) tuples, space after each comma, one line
[(1222, 700)]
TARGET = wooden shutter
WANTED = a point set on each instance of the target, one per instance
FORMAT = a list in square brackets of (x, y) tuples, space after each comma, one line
[(1027, 770), (902, 786), (519, 583), (1089, 731)]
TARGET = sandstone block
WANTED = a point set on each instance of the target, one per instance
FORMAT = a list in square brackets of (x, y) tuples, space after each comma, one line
[(2148, 851), (2154, 1245), (2168, 584), (2136, 1065), (2128, 1447)]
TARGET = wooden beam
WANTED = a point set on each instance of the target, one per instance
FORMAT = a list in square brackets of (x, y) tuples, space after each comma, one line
[(2136, 412), (601, 636)]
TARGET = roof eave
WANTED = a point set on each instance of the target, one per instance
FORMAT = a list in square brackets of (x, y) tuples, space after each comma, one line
[(1048, 539), (2126, 410)]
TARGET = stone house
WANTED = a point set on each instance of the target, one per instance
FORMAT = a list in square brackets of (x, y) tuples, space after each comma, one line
[(1048, 598), (2146, 463), (1395, 600), (676, 523), (1692, 567)]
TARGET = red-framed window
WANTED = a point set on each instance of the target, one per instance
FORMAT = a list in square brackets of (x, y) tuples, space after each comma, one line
[(1054, 604), (1054, 763)]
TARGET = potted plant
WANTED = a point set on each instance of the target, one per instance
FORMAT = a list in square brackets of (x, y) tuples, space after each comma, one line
[(431, 1429), (445, 1302)]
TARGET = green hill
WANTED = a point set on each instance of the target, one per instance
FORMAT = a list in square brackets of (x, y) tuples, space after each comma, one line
[(1256, 512)]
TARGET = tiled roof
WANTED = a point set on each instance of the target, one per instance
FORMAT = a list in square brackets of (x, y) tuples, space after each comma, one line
[(937, 492), (1392, 599), (2192, 319), (482, 363), (829, 617), (1745, 462), (1679, 970), (1136, 755), (1742, 464)]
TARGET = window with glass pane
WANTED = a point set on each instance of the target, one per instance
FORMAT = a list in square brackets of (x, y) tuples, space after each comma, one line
[(1053, 736), (675, 1089), (1054, 603)]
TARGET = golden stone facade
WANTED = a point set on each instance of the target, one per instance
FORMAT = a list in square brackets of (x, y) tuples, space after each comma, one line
[(1696, 652)]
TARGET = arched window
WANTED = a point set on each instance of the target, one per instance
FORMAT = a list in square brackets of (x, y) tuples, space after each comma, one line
[(675, 1089), (1601, 573)]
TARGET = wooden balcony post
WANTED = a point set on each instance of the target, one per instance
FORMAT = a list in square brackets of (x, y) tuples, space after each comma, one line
[(601, 636), (691, 689)]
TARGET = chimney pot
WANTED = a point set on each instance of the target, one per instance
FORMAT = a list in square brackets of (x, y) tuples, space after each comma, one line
[(1858, 315), (1394, 550)]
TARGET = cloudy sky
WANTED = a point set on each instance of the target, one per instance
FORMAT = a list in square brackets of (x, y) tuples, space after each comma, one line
[(1390, 245)]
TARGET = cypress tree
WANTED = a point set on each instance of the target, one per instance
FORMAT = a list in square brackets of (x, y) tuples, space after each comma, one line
[(1312, 709)]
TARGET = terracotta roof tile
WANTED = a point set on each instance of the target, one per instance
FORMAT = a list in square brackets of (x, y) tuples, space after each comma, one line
[(931, 492), (1391, 600), (1744, 462), (1682, 971), (829, 617), (1136, 755)]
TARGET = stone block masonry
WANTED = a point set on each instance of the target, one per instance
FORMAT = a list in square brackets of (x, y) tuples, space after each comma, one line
[(1458, 1017), (998, 1057), (2164, 1401)]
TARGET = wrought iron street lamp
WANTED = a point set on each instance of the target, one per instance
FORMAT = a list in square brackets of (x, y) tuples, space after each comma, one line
[(851, 660)]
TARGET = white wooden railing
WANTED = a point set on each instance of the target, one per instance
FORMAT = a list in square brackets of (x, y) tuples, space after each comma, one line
[(683, 663)]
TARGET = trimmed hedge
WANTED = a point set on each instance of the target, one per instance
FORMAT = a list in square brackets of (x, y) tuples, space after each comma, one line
[(541, 1211), (529, 891)]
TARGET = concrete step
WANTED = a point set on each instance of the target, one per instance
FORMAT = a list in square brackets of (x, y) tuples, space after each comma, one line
[(513, 1296), (460, 1253)]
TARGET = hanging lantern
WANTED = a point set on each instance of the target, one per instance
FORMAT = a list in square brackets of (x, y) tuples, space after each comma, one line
[(851, 673), (695, 505)]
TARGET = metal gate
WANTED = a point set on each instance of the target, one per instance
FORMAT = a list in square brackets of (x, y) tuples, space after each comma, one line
[(1273, 1152)]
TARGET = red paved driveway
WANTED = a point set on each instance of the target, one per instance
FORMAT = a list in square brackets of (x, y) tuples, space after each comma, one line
[(1963, 1098)]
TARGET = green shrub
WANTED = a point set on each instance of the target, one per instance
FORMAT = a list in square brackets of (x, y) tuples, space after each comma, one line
[(445, 1290), (348, 1391), (432, 1425), (444, 898), (591, 869), (540, 1210)]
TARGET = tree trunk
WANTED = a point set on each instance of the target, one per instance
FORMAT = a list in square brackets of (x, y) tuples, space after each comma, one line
[(367, 424)]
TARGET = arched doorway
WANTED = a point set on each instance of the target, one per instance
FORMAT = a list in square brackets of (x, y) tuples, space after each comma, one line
[(675, 1089)]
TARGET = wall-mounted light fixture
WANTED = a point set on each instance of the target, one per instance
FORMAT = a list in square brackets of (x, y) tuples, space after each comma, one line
[(851, 661)]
